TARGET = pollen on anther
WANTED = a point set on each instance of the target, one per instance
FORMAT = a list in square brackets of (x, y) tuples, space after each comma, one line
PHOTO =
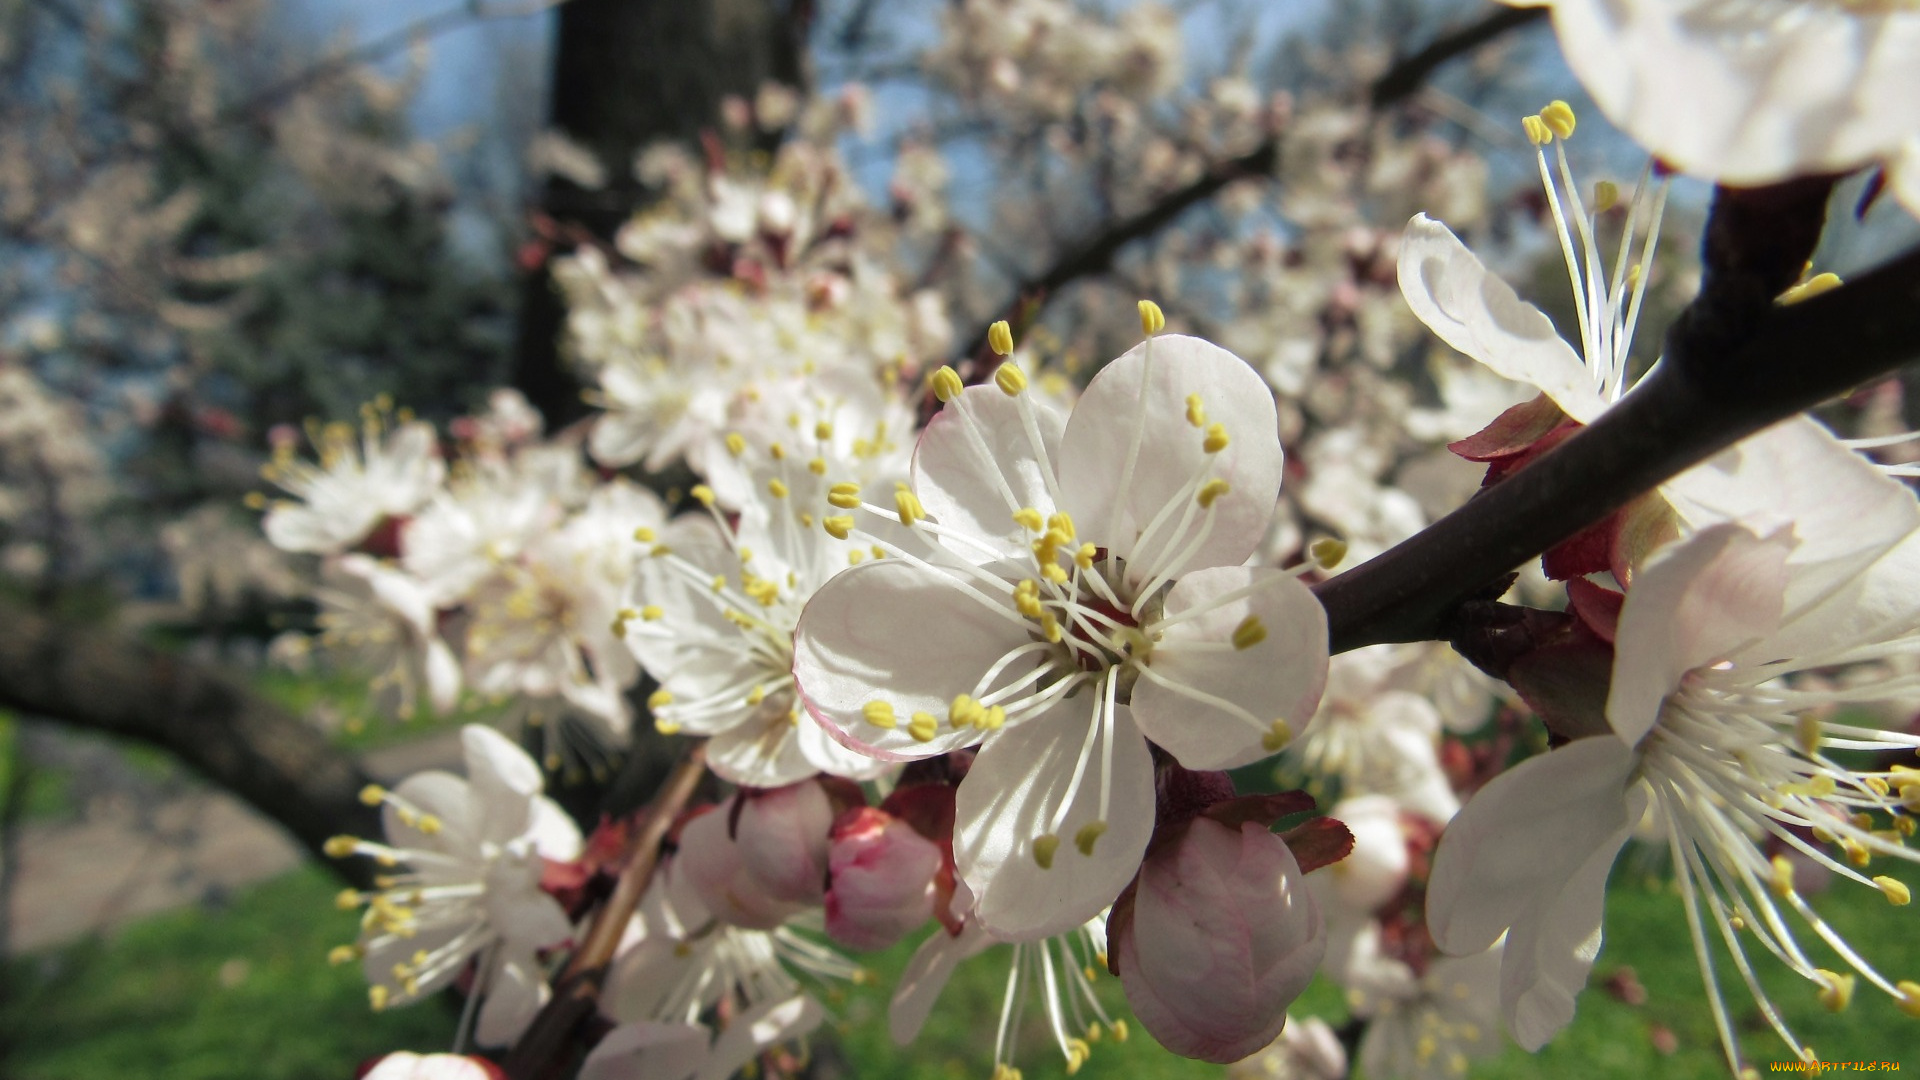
[(1000, 337), (844, 495), (1196, 411), (838, 525), (1088, 835), (923, 726), (1010, 379), (1210, 491), (1043, 850), (946, 384), (907, 504), (880, 714), (1249, 633), (1277, 737), (1216, 438)]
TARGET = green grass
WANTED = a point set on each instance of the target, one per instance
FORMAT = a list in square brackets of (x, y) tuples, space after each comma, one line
[(152, 1002), (198, 995)]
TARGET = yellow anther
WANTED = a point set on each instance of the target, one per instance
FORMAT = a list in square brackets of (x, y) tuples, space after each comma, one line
[(1909, 999), (907, 504), (1896, 890), (1216, 438), (766, 592), (838, 526), (1000, 338), (1077, 1053), (1558, 116), (719, 582), (844, 495), (1876, 785), (1327, 552), (1249, 633), (339, 847), (1062, 523), (1856, 852), (757, 695), (1029, 519), (1010, 379), (1537, 131), (736, 443), (823, 430), (1606, 196), (666, 727), (1152, 319), (1119, 1027), (254, 500), (856, 557), (429, 825), (1050, 627), (346, 899), (992, 718), (652, 613), (1083, 558), (923, 726), (372, 795), (660, 698), (1836, 990), (645, 535), (777, 452), (1196, 411), (1807, 732), (342, 954), (1043, 849), (1738, 923), (1904, 826), (817, 466), (946, 384), (777, 488), (879, 552), (1094, 1031), (377, 997), (1210, 491), (1055, 573), (880, 714), (1782, 880), (1088, 835), (1277, 737), (964, 712), (1028, 603), (702, 494), (1810, 288)]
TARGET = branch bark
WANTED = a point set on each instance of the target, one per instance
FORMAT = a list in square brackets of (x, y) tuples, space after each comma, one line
[(102, 680)]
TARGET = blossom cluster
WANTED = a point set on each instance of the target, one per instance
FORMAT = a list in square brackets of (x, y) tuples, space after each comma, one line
[(996, 655)]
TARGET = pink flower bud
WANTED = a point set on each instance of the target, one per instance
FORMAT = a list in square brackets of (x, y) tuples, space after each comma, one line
[(712, 865), (1218, 936), (882, 879), (782, 835)]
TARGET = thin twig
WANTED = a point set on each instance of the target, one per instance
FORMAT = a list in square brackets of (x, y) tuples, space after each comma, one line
[(578, 988), (1409, 73)]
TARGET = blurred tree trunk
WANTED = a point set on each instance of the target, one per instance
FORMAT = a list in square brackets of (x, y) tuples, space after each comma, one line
[(627, 73), (96, 678)]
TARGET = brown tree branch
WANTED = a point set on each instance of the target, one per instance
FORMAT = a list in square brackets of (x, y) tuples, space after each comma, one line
[(1717, 385), (105, 681), (547, 1043), (1410, 72), (1096, 254)]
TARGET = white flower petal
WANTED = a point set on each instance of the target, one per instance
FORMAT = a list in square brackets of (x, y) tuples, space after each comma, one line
[(1512, 850), (758, 1027), (1110, 419), (972, 472), (504, 781), (907, 635), (1694, 603), (448, 799), (1010, 796), (648, 1050), (1480, 315), (515, 996), (1277, 678), (926, 974)]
